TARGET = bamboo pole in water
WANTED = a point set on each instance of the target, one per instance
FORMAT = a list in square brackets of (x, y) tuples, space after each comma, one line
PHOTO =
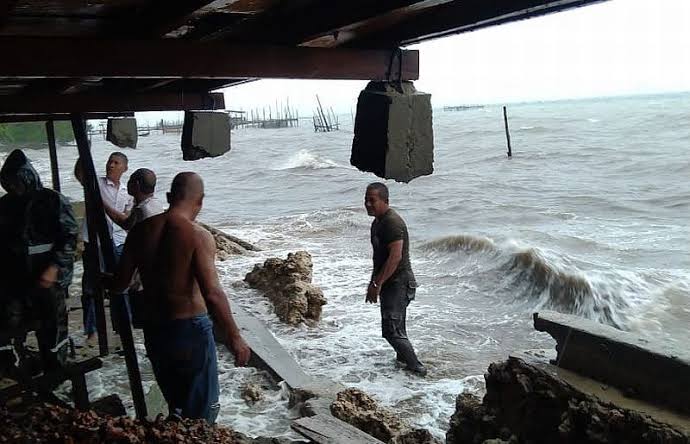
[(505, 121)]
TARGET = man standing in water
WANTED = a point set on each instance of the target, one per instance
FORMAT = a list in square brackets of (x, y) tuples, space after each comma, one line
[(176, 260), (392, 278)]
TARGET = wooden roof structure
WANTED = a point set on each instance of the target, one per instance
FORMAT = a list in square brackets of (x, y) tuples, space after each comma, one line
[(65, 56)]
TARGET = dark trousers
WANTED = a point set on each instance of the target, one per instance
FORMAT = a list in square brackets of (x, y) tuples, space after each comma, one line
[(46, 305), (395, 296)]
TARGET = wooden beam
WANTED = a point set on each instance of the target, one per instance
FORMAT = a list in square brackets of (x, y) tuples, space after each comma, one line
[(155, 18), (52, 148), (304, 22), (17, 118), (104, 103), (172, 58), (464, 16)]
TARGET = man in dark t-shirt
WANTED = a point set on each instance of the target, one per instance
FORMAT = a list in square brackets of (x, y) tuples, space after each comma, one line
[(392, 278)]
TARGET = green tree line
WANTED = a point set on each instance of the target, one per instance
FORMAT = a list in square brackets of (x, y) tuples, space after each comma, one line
[(34, 132)]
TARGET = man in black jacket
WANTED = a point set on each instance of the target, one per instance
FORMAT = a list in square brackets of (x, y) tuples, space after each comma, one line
[(38, 235)]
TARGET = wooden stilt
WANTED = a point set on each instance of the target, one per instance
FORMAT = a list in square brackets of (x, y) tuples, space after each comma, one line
[(55, 172), (100, 235)]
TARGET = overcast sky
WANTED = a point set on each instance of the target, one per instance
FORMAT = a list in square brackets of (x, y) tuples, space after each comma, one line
[(617, 47)]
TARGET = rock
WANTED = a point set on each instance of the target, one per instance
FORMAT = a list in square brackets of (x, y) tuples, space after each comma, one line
[(393, 131), (205, 134), (228, 245), (252, 393), (360, 410), (525, 403), (287, 283)]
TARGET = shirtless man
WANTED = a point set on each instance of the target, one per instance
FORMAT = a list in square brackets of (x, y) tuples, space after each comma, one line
[(176, 260)]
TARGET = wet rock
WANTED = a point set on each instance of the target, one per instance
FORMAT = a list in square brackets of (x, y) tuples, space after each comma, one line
[(228, 245), (252, 393), (525, 403), (287, 283), (360, 410)]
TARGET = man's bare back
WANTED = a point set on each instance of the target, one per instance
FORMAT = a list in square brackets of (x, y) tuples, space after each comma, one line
[(165, 251), (176, 260)]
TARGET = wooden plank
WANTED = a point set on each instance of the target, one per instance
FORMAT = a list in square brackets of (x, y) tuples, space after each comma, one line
[(15, 118), (107, 102), (267, 353), (304, 22), (658, 372), (326, 429), (155, 18), (463, 16), (174, 58)]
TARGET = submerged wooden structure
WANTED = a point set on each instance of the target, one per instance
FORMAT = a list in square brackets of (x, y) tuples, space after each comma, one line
[(76, 60)]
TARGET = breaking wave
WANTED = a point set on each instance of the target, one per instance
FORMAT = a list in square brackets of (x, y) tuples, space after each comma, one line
[(305, 159), (566, 290), (461, 242), (525, 274)]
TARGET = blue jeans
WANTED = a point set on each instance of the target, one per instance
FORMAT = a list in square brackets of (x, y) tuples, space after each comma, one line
[(183, 357)]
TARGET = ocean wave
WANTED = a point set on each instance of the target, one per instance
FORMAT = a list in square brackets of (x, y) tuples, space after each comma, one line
[(464, 242), (566, 290), (305, 159)]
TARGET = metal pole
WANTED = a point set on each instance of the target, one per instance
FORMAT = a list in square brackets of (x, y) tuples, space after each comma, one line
[(52, 149), (505, 121)]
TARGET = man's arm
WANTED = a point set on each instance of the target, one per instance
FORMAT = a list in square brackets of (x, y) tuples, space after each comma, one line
[(389, 267), (216, 299), (122, 219), (127, 265), (62, 255)]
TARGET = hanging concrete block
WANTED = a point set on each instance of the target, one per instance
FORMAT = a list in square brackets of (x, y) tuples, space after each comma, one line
[(205, 134), (122, 132), (393, 132)]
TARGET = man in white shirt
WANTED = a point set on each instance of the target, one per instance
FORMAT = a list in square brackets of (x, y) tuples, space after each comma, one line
[(141, 186), (114, 194)]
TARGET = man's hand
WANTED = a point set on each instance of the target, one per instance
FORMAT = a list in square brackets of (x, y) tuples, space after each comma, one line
[(372, 294), (240, 349), (49, 276)]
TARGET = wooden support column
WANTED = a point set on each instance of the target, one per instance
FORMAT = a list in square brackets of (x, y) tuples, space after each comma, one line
[(54, 169), (98, 232), (95, 222)]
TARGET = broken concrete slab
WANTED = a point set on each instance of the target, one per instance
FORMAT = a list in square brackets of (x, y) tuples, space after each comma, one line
[(205, 134), (122, 132), (393, 131), (641, 367)]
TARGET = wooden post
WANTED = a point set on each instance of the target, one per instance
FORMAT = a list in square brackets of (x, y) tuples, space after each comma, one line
[(95, 224), (100, 235), (505, 121), (55, 171)]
